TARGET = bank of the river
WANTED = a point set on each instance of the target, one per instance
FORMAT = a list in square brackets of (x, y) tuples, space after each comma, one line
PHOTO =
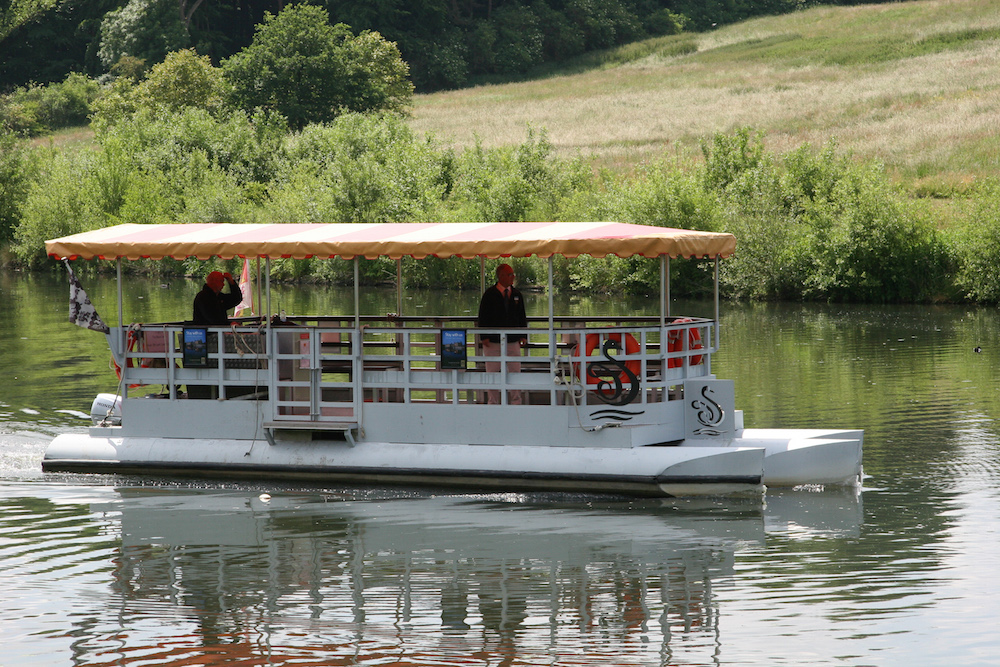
[(844, 106)]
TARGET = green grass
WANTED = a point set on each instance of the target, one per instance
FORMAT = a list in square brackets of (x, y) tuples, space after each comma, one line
[(69, 138), (915, 85)]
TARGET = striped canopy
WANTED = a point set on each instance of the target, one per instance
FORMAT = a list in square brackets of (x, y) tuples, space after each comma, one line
[(395, 240)]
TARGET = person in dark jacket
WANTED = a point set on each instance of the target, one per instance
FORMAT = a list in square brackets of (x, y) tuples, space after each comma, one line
[(211, 303), (502, 307)]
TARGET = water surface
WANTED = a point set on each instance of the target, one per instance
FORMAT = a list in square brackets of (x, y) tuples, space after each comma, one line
[(99, 570)]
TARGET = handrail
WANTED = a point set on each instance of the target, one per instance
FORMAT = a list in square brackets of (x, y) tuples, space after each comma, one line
[(315, 368)]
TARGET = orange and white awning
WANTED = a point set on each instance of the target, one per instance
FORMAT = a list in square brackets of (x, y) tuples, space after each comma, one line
[(394, 240)]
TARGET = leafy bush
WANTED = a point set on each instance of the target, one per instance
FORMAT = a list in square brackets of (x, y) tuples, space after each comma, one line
[(56, 205), (809, 224), (729, 156), (772, 253), (360, 168), (438, 62), (758, 207), (15, 179), (976, 247), (248, 149), (183, 80), (663, 195), (820, 227), (605, 24), (34, 110), (561, 38), (875, 248), (664, 22), (508, 184), (451, 273)]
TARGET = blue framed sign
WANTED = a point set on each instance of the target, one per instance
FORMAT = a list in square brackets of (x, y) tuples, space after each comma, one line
[(195, 346), (453, 348)]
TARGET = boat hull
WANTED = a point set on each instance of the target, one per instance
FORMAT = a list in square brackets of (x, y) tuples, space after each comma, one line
[(644, 471), (800, 457), (796, 457)]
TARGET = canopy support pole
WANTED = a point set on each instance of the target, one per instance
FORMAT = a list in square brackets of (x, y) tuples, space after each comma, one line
[(717, 339), (358, 350), (664, 289), (257, 271), (118, 264), (552, 310), (668, 285), (482, 274), (399, 287), (267, 274), (357, 295)]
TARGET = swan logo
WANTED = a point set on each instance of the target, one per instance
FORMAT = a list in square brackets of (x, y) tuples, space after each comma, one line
[(709, 408), (709, 413)]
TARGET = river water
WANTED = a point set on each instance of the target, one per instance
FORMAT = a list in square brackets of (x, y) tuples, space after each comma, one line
[(108, 570)]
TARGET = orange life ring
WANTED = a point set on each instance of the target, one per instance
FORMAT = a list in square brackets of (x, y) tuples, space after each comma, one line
[(675, 343), (631, 347)]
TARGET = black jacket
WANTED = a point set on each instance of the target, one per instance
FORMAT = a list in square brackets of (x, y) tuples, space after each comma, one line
[(495, 314), (210, 308)]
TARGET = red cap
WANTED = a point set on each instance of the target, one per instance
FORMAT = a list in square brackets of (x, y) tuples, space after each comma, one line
[(215, 280)]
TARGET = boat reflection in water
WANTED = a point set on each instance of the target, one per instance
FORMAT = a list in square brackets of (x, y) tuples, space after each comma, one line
[(310, 577)]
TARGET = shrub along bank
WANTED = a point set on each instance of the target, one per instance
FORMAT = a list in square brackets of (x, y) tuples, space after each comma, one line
[(811, 224)]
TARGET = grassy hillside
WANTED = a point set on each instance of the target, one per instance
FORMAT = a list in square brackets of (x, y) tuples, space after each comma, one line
[(915, 85)]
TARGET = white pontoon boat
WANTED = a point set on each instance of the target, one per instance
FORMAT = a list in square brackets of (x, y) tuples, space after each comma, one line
[(608, 405)]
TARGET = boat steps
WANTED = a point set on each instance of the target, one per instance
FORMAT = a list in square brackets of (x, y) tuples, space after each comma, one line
[(347, 428)]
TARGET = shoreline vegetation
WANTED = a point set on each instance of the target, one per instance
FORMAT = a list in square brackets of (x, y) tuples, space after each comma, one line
[(853, 151)]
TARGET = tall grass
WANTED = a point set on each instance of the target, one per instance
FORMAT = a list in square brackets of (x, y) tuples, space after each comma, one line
[(915, 85)]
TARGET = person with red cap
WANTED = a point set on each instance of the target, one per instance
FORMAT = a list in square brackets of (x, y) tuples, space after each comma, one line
[(211, 304), (502, 307)]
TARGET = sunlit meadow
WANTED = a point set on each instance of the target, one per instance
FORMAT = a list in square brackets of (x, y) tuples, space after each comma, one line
[(915, 85)]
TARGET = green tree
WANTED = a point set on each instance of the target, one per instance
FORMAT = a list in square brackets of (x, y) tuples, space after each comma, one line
[(310, 71), (144, 29), (15, 13)]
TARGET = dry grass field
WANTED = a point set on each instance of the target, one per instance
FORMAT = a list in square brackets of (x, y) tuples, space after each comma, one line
[(915, 85)]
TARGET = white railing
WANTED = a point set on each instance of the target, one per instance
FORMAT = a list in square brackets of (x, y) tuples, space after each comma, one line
[(321, 369)]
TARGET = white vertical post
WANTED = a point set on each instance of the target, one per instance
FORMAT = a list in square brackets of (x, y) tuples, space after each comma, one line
[(257, 270), (121, 321), (357, 296), (717, 302), (357, 346), (399, 287), (267, 272), (121, 324), (668, 285), (553, 367), (664, 288), (664, 305), (551, 306)]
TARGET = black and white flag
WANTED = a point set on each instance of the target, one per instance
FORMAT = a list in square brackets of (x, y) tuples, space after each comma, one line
[(81, 311)]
